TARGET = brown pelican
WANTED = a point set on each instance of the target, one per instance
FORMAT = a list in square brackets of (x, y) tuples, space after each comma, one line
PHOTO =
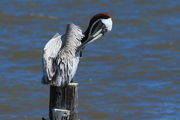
[(61, 58)]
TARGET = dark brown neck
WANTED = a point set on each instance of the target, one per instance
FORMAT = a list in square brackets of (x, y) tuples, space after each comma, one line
[(86, 33)]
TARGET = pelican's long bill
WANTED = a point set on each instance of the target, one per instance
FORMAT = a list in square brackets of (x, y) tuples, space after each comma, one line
[(91, 39), (98, 26)]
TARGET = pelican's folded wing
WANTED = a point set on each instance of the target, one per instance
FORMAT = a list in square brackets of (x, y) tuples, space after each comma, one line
[(50, 53)]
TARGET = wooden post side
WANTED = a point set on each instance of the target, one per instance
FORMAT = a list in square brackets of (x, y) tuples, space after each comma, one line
[(62, 100), (72, 100), (57, 100)]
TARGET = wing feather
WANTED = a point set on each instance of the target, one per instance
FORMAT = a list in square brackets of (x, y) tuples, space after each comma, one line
[(50, 53)]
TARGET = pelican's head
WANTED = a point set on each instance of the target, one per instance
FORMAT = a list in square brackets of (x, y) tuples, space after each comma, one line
[(99, 25)]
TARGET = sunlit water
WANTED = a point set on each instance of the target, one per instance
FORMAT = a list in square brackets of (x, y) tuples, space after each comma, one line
[(132, 73)]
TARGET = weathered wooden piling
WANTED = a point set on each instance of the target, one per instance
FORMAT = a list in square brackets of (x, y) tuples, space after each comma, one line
[(63, 102)]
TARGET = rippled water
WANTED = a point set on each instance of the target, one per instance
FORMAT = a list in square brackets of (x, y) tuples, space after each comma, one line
[(132, 73)]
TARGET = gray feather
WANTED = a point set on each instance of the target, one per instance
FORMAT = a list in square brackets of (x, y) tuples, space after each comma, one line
[(50, 53), (61, 70)]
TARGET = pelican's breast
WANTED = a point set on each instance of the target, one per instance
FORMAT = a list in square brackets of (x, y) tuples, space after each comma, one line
[(75, 65)]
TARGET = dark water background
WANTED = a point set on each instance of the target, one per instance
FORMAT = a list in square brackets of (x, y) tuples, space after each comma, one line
[(133, 73)]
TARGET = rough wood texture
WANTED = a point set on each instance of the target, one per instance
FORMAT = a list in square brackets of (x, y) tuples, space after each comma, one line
[(63, 99)]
